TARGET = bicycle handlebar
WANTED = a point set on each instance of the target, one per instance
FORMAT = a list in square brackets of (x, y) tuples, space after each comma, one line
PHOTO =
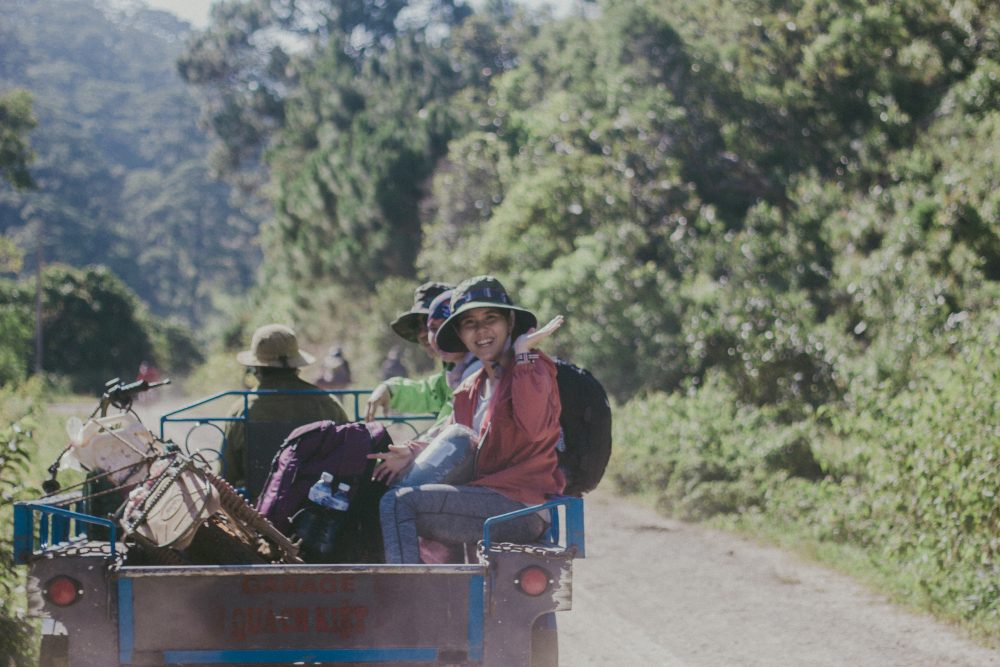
[(119, 391)]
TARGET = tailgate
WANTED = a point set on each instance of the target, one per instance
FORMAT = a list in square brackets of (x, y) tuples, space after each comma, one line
[(301, 613)]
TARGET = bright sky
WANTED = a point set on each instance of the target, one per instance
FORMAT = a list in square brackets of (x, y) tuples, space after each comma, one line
[(196, 11)]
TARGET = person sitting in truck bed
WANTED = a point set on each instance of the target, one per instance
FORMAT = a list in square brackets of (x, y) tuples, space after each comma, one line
[(513, 405), (275, 358), (432, 394), (400, 393)]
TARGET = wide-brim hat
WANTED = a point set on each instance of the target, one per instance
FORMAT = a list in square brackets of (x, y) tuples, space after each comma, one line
[(407, 325), (274, 346), (480, 292)]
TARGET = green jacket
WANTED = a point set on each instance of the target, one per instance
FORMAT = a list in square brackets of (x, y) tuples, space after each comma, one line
[(430, 395), (301, 408)]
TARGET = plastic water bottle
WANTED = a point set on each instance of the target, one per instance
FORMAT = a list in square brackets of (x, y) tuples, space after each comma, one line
[(322, 493), (318, 523)]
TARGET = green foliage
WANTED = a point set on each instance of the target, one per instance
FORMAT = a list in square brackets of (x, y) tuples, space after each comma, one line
[(246, 69), (933, 498), (91, 327), (703, 453), (11, 257), (16, 331), (120, 162), (94, 329), (350, 186), (18, 410), (16, 121)]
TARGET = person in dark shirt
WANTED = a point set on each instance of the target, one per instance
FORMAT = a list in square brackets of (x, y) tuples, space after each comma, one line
[(275, 358)]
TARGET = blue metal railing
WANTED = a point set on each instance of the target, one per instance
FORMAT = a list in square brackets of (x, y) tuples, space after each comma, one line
[(566, 533), (54, 526), (353, 396)]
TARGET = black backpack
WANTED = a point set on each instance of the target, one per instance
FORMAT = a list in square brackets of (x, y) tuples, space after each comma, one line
[(586, 423)]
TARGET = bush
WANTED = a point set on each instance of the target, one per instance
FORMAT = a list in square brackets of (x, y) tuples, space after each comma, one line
[(701, 454), (94, 328), (16, 331), (18, 409), (934, 493)]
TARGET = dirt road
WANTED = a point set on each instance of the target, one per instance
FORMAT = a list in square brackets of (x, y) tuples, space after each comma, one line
[(654, 592)]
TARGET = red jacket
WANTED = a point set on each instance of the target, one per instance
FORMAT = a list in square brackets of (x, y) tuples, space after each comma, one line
[(517, 455)]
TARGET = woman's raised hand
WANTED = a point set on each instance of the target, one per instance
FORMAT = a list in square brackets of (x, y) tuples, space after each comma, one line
[(534, 337)]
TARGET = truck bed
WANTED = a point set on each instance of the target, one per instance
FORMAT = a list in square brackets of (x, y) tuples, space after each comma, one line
[(300, 613)]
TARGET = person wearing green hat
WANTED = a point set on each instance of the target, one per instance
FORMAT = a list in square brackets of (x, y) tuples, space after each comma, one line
[(512, 404), (412, 325), (275, 358), (403, 394)]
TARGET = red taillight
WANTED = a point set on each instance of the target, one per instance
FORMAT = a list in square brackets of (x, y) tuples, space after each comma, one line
[(533, 580), (63, 591)]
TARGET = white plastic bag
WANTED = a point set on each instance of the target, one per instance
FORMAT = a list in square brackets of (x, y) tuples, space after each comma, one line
[(116, 444)]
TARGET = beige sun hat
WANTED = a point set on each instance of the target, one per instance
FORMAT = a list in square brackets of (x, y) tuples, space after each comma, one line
[(275, 346)]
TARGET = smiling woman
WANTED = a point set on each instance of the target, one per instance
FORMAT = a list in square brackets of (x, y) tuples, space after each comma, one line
[(511, 406)]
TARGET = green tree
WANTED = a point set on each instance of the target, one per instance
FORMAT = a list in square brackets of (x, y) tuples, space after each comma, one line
[(249, 61), (16, 121), (120, 168), (94, 329), (350, 168), (16, 329)]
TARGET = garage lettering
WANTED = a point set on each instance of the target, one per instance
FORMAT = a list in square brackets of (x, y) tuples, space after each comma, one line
[(296, 585)]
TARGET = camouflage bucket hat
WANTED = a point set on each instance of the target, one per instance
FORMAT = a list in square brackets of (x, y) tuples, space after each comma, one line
[(407, 325), (480, 292)]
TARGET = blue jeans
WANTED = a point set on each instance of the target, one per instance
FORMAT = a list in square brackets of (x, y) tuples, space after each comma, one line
[(448, 514)]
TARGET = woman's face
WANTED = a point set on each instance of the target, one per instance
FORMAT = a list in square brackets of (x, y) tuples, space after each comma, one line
[(433, 326), (484, 332)]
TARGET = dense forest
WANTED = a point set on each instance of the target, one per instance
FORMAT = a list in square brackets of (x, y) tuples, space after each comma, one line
[(120, 170), (774, 229)]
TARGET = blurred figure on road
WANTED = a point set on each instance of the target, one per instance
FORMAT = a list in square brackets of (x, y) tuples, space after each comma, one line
[(336, 373), (393, 364)]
